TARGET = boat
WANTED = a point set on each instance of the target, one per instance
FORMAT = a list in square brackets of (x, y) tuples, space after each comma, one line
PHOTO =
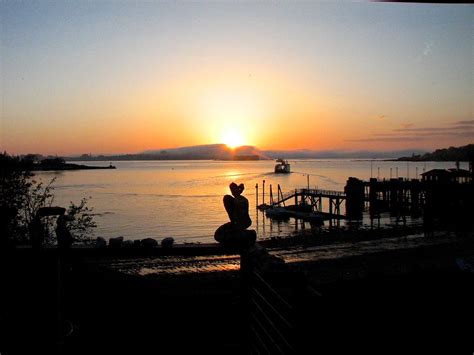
[(277, 213), (284, 213), (283, 167), (313, 217), (301, 207)]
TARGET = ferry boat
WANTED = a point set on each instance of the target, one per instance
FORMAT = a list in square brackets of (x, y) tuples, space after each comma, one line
[(283, 167)]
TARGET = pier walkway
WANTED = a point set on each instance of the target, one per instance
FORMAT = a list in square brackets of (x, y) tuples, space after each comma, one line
[(314, 198)]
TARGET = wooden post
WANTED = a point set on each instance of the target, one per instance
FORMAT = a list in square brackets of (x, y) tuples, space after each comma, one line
[(256, 195), (263, 192), (280, 193), (271, 195)]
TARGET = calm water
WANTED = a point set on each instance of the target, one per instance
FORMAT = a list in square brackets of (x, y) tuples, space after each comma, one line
[(183, 199)]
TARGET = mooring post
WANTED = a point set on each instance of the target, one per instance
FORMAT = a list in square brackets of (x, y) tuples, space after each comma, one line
[(279, 193), (271, 195), (263, 193), (256, 195)]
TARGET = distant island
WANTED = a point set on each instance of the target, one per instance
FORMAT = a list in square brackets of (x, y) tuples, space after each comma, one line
[(243, 158), (464, 153), (223, 152), (200, 152), (251, 153), (52, 164)]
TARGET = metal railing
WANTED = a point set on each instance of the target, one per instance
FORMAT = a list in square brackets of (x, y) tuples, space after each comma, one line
[(271, 319)]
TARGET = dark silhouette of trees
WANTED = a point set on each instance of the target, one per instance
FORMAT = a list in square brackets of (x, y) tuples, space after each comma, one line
[(464, 153), (22, 197)]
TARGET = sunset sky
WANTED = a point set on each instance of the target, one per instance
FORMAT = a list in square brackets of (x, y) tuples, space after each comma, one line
[(123, 76)]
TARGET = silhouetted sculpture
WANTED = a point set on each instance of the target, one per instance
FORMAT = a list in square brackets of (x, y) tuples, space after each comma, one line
[(234, 233)]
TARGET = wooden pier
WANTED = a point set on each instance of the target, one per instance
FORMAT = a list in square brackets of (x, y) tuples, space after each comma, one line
[(313, 198), (430, 198)]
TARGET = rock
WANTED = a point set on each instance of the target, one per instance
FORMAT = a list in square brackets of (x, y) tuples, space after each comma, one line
[(100, 242), (149, 243), (128, 243), (137, 243), (116, 242), (167, 242)]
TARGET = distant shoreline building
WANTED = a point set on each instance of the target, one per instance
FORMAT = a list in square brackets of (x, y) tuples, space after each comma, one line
[(461, 176)]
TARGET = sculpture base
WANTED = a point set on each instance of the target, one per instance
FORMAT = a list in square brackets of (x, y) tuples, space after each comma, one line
[(242, 239)]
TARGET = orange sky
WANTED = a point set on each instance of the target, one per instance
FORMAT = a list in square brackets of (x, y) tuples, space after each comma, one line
[(123, 78)]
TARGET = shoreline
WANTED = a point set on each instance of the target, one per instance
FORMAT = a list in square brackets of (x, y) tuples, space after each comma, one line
[(69, 166), (116, 300)]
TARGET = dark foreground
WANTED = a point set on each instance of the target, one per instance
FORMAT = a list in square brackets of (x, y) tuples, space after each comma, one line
[(418, 299)]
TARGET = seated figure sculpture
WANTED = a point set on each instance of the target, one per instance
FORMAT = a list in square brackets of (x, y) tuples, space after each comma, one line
[(234, 234)]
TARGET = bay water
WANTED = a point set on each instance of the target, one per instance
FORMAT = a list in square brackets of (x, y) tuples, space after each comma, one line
[(183, 199)]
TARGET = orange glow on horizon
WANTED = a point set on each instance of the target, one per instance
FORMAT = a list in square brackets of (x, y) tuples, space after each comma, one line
[(268, 109), (233, 139)]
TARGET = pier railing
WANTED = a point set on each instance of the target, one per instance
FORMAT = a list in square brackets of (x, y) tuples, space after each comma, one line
[(310, 193), (325, 193)]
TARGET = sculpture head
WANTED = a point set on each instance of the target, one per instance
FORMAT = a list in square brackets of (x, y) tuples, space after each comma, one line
[(235, 189)]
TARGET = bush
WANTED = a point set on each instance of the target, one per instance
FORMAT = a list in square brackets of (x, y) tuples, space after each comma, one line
[(22, 197)]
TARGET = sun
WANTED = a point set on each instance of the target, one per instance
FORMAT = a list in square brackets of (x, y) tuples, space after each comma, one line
[(232, 139)]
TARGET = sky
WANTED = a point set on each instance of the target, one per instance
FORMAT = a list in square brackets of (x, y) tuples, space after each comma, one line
[(122, 77)]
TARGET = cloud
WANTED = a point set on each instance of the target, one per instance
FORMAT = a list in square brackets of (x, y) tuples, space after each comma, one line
[(422, 129), (466, 134), (460, 127), (378, 117), (428, 48), (469, 122), (386, 139), (408, 133)]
